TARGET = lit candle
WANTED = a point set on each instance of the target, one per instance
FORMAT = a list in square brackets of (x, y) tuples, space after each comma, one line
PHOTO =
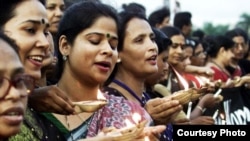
[(189, 109), (217, 92), (215, 114), (136, 118), (223, 120)]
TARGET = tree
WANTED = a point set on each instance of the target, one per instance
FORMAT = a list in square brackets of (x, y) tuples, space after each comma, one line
[(244, 22), (211, 29)]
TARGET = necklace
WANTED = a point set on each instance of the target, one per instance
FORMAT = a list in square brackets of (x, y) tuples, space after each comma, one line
[(145, 96), (68, 125), (84, 127)]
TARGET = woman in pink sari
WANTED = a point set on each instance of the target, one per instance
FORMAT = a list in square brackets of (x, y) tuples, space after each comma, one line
[(87, 54)]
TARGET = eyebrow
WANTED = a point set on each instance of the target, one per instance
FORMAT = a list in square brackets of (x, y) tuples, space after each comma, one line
[(145, 34), (100, 34), (140, 35), (37, 22)]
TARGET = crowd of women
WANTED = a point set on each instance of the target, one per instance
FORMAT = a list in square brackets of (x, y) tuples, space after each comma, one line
[(55, 55)]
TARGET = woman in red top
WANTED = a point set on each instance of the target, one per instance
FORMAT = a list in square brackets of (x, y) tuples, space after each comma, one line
[(220, 53)]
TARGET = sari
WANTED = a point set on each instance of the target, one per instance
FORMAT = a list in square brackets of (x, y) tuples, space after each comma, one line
[(111, 115)]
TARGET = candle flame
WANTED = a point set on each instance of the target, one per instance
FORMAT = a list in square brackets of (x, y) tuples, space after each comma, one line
[(136, 119), (100, 95), (128, 123), (146, 138), (222, 116)]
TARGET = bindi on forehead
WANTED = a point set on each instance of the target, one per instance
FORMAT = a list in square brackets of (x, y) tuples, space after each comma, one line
[(44, 22), (108, 35)]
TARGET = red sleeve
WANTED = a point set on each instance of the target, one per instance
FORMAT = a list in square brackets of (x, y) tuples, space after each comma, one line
[(218, 74)]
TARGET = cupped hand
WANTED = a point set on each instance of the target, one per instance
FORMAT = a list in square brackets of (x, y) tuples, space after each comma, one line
[(136, 133), (152, 133), (162, 109)]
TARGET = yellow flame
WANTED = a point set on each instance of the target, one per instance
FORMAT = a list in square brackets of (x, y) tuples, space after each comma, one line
[(136, 117), (100, 95), (222, 116), (128, 123), (146, 138)]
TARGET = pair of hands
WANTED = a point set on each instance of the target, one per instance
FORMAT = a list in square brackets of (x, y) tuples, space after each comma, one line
[(163, 110), (152, 133), (52, 99), (206, 101)]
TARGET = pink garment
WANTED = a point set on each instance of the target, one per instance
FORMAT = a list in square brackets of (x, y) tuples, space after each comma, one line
[(114, 114)]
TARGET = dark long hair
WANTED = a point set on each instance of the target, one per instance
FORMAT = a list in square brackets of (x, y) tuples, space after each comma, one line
[(7, 10), (78, 17), (217, 42)]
